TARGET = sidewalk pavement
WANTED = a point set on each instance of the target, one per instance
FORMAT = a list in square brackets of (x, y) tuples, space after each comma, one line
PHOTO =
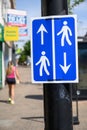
[(82, 108), (27, 112)]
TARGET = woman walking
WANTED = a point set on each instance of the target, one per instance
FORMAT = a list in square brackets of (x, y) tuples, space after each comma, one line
[(11, 73)]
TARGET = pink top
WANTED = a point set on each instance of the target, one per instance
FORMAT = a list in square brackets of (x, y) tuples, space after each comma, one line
[(12, 75)]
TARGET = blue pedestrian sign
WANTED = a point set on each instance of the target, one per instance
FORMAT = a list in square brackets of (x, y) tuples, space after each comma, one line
[(54, 51)]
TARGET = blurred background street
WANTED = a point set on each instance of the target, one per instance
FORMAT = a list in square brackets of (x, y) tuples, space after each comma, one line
[(27, 113)]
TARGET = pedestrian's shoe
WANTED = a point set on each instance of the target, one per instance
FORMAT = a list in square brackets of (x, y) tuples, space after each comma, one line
[(9, 100), (12, 102)]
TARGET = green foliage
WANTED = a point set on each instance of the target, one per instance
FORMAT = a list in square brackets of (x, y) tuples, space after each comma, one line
[(27, 49), (22, 58), (25, 52), (72, 4)]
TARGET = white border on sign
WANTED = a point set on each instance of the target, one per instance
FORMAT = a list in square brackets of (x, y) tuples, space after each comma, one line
[(17, 12), (76, 50)]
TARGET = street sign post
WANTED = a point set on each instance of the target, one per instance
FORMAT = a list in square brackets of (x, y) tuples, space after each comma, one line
[(54, 49)]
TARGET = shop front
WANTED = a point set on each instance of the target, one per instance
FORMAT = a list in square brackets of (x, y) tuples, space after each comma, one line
[(1, 42)]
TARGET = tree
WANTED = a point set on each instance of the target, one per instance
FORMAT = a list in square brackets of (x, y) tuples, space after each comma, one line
[(27, 49), (72, 4), (26, 52)]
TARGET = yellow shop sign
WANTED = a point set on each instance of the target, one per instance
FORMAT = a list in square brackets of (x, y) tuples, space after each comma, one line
[(11, 33)]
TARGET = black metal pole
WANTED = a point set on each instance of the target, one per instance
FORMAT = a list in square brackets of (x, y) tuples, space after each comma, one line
[(57, 97)]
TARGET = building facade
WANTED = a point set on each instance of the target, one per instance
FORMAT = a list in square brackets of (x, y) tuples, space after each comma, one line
[(5, 46)]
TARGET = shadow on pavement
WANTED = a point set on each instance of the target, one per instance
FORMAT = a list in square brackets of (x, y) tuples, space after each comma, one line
[(4, 101), (37, 97), (34, 119)]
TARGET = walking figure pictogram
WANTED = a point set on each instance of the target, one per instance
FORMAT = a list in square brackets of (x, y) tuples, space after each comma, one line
[(66, 31), (42, 61)]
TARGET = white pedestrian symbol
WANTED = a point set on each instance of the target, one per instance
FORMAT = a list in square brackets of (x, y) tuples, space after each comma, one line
[(42, 61), (66, 31)]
